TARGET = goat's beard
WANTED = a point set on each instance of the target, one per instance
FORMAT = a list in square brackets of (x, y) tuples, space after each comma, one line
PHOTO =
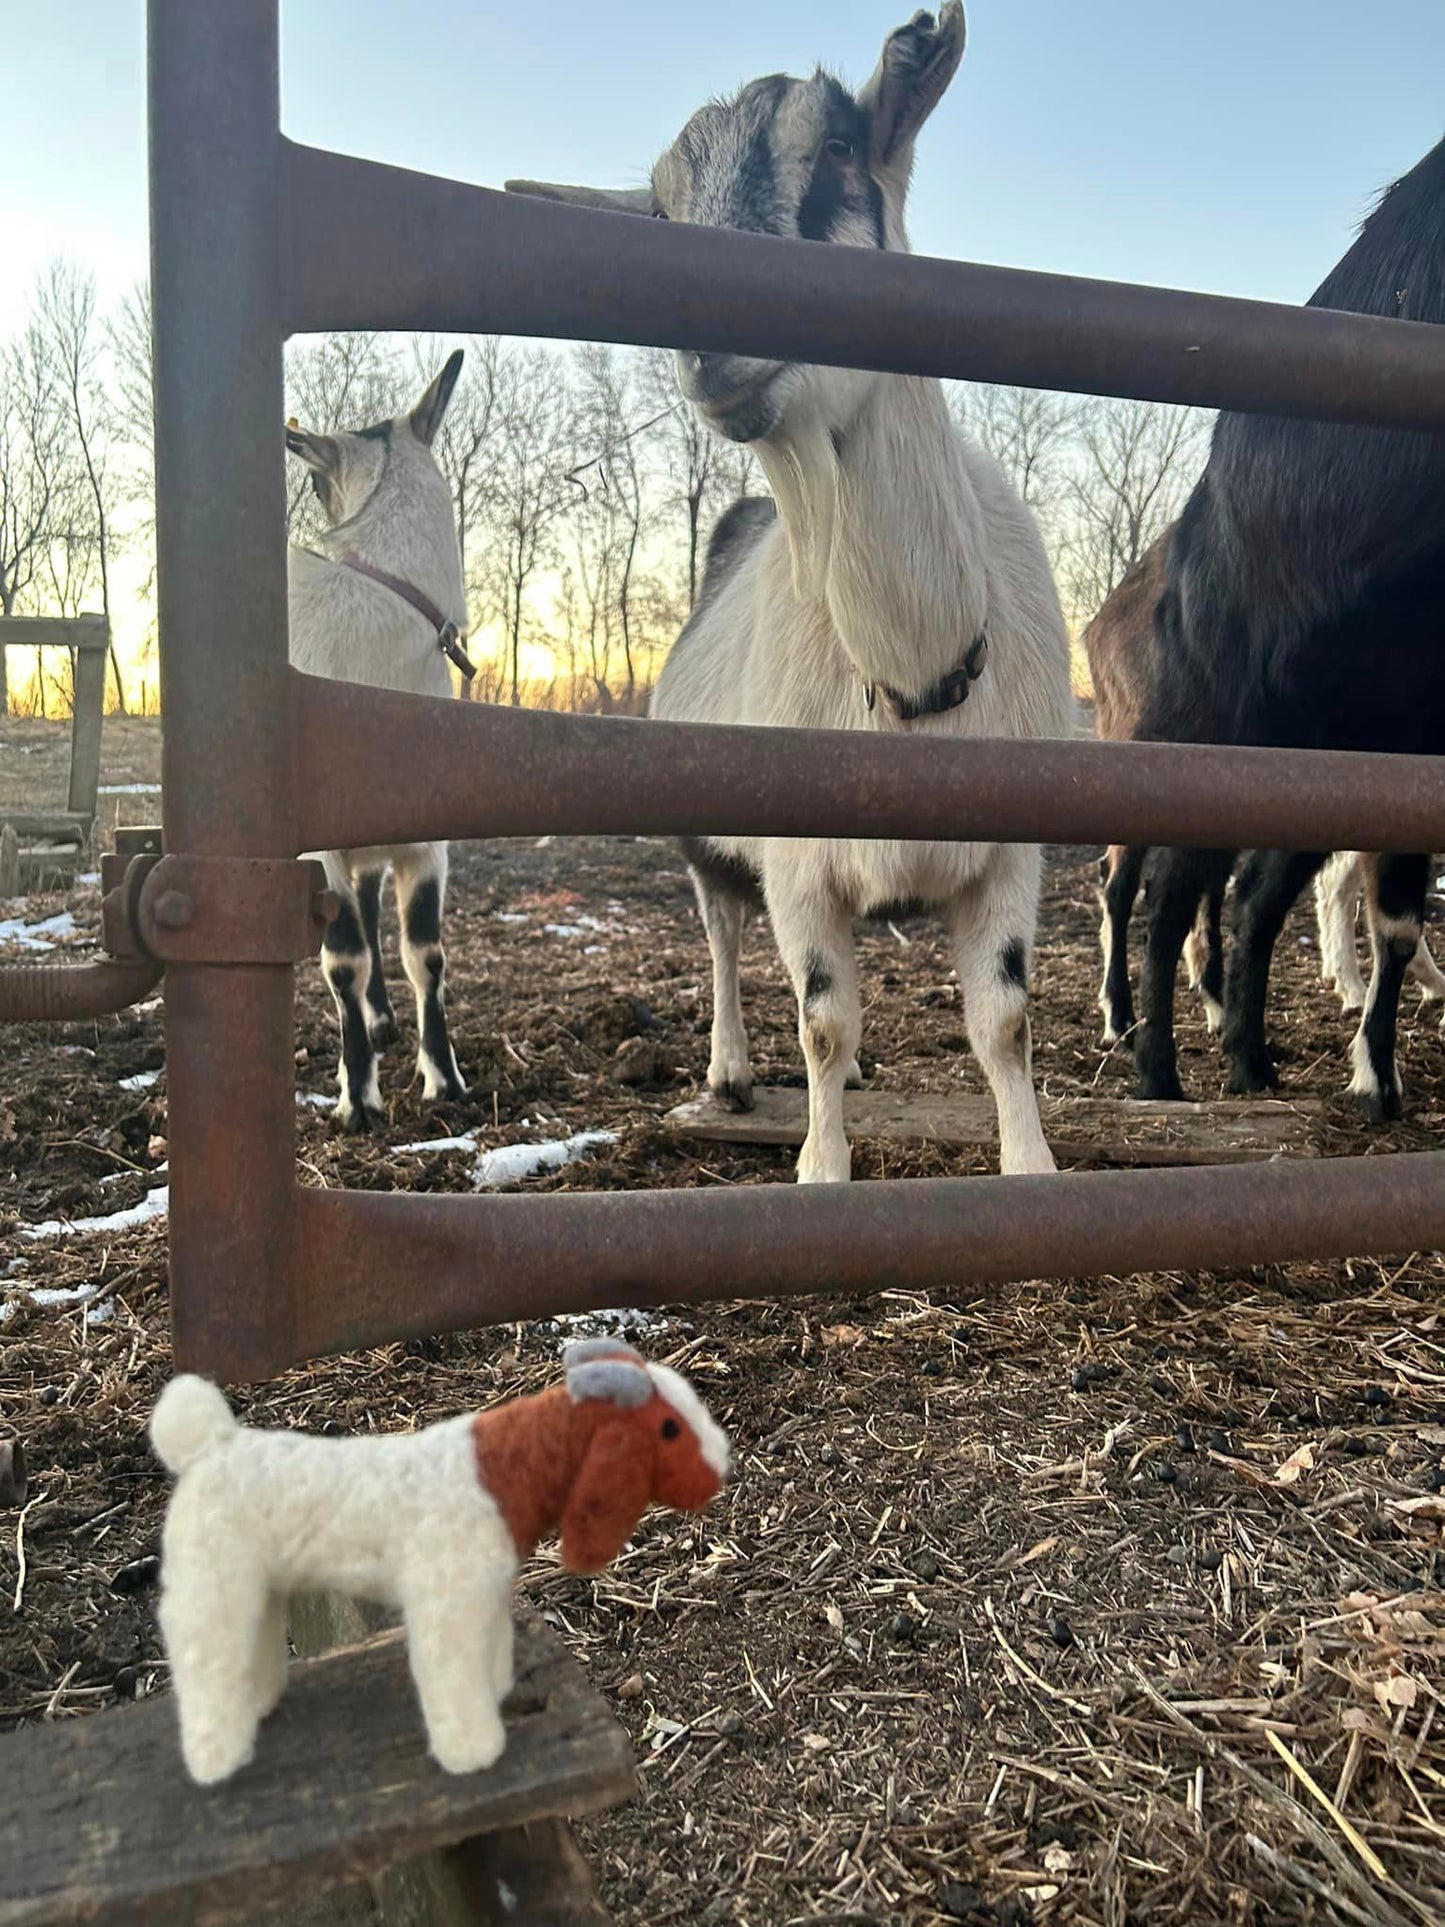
[(801, 464)]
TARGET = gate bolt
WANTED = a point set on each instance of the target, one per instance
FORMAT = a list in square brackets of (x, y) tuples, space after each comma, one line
[(173, 910)]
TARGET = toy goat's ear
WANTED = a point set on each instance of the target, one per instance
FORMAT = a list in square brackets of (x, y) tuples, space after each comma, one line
[(577, 1351), (608, 1497), (618, 1381)]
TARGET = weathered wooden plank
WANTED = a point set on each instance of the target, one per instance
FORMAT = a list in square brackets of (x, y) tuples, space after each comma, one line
[(1107, 1130), (65, 826), (102, 1825), (81, 633), (87, 712)]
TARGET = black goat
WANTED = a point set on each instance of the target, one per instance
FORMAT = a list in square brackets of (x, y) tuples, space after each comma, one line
[(1305, 607)]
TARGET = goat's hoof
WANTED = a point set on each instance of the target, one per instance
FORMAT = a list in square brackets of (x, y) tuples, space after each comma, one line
[(1252, 1076), (357, 1119), (854, 1080), (1379, 1107), (733, 1097), (1161, 1087), (382, 1030), (450, 1088)]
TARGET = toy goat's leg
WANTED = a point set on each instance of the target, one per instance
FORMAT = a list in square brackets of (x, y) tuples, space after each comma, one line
[(211, 1619), (993, 932), (815, 940), (380, 1017), (346, 965), (729, 1074), (421, 882), (272, 1655), (455, 1622)]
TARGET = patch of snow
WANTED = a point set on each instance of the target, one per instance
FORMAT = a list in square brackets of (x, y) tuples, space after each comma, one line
[(466, 1143), (512, 1161), (155, 1204), (142, 1081), (624, 1321), (119, 1177), (38, 936), (593, 949), (129, 789), (102, 1313), (315, 1100), (563, 929), (60, 1297), (581, 928), (511, 916), (89, 876)]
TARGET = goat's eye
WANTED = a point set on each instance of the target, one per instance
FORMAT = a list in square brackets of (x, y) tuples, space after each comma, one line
[(659, 214), (670, 1428), (840, 149)]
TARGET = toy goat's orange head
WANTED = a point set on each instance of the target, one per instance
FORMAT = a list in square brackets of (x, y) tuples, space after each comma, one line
[(653, 1442)]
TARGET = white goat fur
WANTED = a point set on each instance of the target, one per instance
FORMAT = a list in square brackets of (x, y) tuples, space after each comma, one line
[(389, 504), (258, 1515), (898, 542), (1341, 887)]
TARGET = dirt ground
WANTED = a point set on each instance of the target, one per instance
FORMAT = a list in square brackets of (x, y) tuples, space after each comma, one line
[(1036, 1603)]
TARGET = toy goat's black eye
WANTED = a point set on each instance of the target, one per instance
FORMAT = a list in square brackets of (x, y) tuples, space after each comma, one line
[(670, 1428), (840, 149)]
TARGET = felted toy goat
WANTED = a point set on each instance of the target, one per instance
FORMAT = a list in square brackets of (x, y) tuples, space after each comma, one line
[(435, 1523)]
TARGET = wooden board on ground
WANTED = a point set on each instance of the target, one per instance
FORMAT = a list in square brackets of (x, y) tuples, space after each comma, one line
[(1102, 1129), (102, 1824)]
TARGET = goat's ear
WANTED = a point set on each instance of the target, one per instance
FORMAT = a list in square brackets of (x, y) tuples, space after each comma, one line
[(616, 1380), (319, 452), (615, 200), (426, 417), (609, 1495), (914, 69)]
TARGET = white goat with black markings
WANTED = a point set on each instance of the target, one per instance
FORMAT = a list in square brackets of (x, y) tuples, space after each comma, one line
[(381, 602), (898, 574)]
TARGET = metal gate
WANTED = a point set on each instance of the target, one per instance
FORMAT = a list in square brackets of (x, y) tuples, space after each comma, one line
[(255, 238)]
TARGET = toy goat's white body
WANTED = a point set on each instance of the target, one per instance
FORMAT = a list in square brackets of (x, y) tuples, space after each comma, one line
[(258, 1515)]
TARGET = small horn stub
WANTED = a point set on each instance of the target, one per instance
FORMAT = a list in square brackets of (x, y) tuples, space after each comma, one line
[(577, 1351), (616, 1381)]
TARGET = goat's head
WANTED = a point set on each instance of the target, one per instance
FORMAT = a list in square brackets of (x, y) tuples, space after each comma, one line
[(802, 158), (349, 467), (653, 1442)]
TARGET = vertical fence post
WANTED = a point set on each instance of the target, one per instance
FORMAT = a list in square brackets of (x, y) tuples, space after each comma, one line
[(214, 171)]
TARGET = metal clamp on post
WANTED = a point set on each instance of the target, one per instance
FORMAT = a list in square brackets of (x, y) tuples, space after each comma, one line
[(215, 909)]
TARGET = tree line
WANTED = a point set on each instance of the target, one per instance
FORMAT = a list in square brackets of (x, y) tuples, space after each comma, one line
[(584, 488)]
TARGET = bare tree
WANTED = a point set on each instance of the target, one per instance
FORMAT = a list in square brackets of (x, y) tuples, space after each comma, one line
[(1134, 463), (74, 344), (32, 435), (1029, 432), (534, 487)]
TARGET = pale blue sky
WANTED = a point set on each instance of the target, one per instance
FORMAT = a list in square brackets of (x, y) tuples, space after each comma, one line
[(1230, 148)]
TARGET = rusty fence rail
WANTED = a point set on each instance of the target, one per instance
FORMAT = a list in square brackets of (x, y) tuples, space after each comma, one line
[(253, 238)]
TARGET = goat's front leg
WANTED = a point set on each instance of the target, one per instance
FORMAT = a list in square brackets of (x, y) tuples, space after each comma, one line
[(992, 926), (815, 940), (1267, 887), (729, 1074), (346, 965), (1395, 887), (1177, 880), (421, 881), (380, 1017), (1119, 870)]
